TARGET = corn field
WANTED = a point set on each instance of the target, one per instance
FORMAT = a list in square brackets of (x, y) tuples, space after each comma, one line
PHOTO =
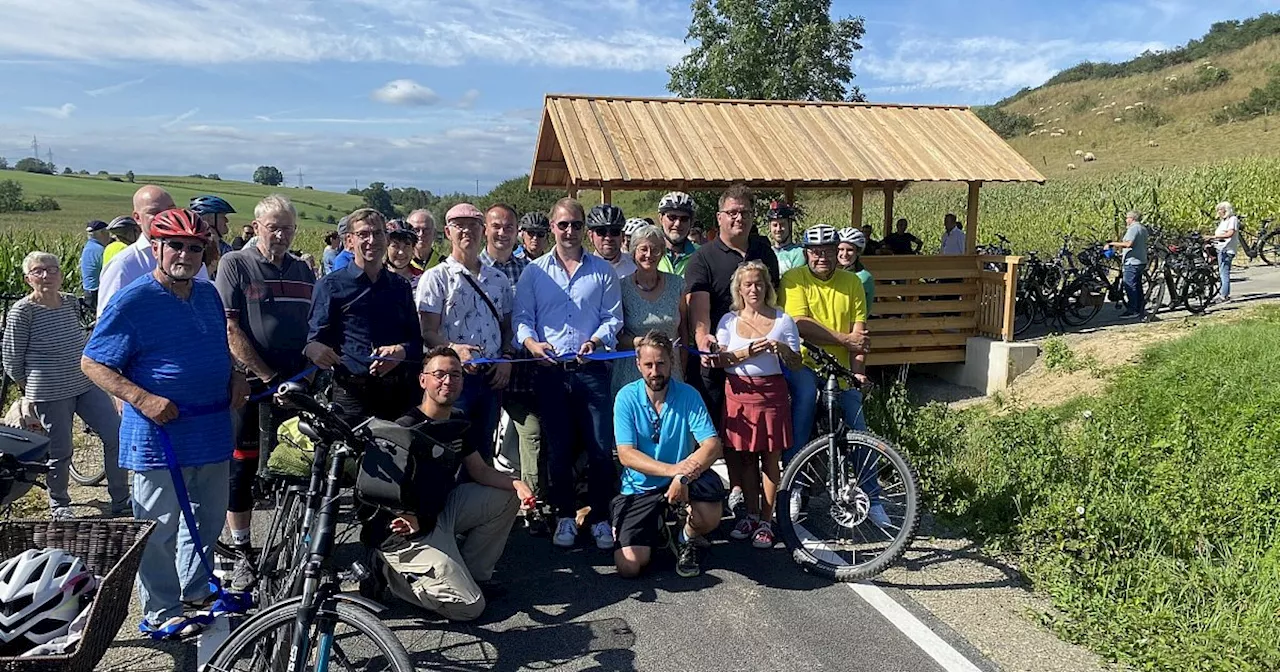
[(15, 246)]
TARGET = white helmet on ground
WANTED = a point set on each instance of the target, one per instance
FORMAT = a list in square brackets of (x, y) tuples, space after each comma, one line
[(41, 592), (820, 234), (854, 237)]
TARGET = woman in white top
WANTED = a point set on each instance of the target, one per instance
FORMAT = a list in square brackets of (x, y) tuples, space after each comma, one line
[(1227, 242), (756, 340)]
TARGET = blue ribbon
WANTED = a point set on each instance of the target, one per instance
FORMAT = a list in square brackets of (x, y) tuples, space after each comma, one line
[(270, 391), (559, 359)]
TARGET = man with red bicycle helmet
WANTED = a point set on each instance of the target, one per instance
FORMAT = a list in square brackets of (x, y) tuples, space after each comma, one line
[(161, 347), (137, 260)]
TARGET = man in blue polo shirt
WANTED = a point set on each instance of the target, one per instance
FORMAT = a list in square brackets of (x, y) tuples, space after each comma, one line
[(161, 347), (91, 260), (652, 420)]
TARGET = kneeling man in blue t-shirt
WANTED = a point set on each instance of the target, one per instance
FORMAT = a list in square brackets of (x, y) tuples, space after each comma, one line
[(652, 421)]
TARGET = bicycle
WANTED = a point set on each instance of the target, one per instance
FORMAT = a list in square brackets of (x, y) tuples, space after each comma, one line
[(1187, 276), (1264, 244), (828, 488), (319, 626)]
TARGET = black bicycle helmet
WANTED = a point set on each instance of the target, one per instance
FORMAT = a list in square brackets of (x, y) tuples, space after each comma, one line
[(535, 222), (605, 214)]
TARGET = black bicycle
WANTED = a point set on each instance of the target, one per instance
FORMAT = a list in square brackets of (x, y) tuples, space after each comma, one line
[(1264, 244), (321, 628), (830, 487)]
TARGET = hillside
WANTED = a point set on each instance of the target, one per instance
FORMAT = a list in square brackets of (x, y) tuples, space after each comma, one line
[(1165, 117)]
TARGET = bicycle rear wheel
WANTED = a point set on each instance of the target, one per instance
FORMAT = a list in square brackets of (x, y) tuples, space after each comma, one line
[(279, 569), (1081, 301), (1269, 249), (1200, 289), (836, 537), (343, 638)]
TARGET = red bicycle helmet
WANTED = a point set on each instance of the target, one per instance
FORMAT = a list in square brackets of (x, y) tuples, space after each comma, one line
[(177, 223)]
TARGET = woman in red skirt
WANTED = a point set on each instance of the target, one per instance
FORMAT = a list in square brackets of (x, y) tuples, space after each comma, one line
[(756, 340)]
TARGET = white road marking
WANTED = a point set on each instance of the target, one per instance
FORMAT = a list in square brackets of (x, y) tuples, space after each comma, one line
[(943, 653), (213, 636)]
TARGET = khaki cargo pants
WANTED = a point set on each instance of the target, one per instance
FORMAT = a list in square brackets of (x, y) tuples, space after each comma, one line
[(436, 574)]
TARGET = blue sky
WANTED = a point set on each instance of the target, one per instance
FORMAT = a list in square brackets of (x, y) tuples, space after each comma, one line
[(442, 93)]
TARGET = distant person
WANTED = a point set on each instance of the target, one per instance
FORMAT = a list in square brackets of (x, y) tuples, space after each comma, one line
[(654, 420), (952, 235), (696, 235), (138, 260), (214, 210), (535, 229), (345, 257), (902, 242), (873, 246), (675, 216), (332, 247), (400, 243), (425, 256), (246, 233), (1134, 249), (605, 223), (1227, 239), (782, 218), (91, 260), (124, 232)]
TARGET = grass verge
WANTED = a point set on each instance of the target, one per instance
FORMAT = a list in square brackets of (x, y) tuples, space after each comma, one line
[(1147, 513)]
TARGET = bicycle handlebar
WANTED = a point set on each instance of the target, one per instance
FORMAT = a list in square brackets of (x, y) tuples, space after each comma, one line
[(327, 416), (828, 365)]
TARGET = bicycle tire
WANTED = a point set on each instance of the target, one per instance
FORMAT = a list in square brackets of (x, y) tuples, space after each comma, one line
[(1198, 291), (261, 629), (1023, 315), (1269, 249), (822, 565), (1081, 301), (281, 559), (87, 479)]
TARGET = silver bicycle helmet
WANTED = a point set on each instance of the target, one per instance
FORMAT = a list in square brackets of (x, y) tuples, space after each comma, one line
[(41, 592), (854, 237), (633, 225), (820, 234), (122, 222), (676, 201)]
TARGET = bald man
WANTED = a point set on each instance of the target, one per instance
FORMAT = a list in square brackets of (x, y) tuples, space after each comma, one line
[(136, 260)]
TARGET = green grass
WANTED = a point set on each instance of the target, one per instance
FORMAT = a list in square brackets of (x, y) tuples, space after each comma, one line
[(1148, 513)]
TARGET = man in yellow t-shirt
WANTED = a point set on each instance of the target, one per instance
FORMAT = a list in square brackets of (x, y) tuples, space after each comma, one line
[(124, 231), (829, 306)]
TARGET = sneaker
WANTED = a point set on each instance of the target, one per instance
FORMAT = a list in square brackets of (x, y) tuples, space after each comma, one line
[(689, 562), (61, 513), (242, 575), (566, 533), (603, 535), (763, 538), (745, 528), (738, 504), (536, 525), (122, 509), (878, 517)]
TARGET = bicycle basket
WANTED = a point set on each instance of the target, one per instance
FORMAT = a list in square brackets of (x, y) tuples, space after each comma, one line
[(295, 452)]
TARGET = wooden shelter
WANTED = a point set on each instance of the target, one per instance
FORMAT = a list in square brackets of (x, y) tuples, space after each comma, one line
[(613, 143)]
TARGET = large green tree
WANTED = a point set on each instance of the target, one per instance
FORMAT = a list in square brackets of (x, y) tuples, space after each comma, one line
[(768, 50), (268, 175)]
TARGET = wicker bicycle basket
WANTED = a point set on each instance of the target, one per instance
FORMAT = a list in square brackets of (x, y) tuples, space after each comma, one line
[(112, 549)]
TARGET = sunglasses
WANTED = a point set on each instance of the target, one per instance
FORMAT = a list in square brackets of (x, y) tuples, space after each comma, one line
[(607, 231), (577, 225), (535, 234), (178, 246), (657, 428)]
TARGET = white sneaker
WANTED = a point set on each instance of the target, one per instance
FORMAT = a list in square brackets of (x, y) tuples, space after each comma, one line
[(878, 517), (603, 534), (566, 533)]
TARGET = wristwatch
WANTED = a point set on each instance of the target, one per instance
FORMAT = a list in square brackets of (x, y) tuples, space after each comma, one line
[(684, 479)]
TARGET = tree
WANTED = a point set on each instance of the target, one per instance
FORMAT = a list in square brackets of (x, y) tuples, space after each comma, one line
[(128, 176), (4, 163), (377, 197), (11, 196), (33, 165), (777, 50), (103, 173), (268, 175), (515, 193), (67, 170), (214, 176)]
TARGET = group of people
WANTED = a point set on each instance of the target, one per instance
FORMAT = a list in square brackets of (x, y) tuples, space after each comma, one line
[(655, 351)]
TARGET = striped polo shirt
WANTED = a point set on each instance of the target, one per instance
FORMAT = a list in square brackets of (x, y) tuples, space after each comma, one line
[(271, 304), (42, 349)]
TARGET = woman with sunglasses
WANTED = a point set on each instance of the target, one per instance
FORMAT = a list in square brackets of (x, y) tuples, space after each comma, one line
[(756, 340)]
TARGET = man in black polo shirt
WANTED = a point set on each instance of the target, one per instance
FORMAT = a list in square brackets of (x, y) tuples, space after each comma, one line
[(363, 324), (266, 293), (708, 277)]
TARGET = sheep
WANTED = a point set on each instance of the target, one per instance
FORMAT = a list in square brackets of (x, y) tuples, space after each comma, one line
[(1088, 156), (1152, 143), (1079, 152), (1055, 134), (1079, 134), (1038, 124), (1139, 104), (1061, 131), (1071, 166), (1119, 119), (1128, 108), (1099, 113)]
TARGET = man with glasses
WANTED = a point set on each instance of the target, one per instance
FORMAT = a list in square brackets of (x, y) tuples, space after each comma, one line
[(425, 256), (570, 303), (363, 326), (137, 260), (709, 277), (675, 216), (534, 230), (653, 419), (418, 554), (605, 223), (466, 305)]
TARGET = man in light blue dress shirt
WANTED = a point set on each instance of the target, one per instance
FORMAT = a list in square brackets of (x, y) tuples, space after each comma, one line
[(569, 302)]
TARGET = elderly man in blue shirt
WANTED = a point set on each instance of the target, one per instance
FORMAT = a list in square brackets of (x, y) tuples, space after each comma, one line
[(570, 303)]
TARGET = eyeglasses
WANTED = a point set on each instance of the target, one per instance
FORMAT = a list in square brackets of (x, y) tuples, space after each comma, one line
[(369, 234), (577, 225), (40, 272), (735, 214), (441, 376), (679, 219), (466, 224), (607, 231), (179, 246)]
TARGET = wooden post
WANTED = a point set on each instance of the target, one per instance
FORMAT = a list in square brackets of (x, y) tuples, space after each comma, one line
[(888, 208), (971, 219), (1010, 298), (606, 195), (789, 193), (856, 218)]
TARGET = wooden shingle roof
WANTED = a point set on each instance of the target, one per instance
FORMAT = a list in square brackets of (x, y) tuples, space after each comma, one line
[(652, 143)]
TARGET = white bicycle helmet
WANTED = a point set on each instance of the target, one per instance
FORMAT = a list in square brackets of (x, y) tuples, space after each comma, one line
[(676, 201), (820, 234), (41, 592), (633, 225), (854, 237)]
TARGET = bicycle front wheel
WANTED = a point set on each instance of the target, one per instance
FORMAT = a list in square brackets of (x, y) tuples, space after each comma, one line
[(1269, 249), (343, 638), (856, 527)]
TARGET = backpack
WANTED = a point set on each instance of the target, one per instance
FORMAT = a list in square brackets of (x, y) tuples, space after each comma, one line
[(387, 475)]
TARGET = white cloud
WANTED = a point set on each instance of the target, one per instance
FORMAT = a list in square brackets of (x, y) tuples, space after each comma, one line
[(62, 112), (114, 88), (180, 118), (468, 99), (422, 32), (405, 92)]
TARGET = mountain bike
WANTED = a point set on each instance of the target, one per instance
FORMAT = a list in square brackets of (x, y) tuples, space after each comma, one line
[(1036, 299), (322, 626), (1265, 243), (1187, 277), (829, 487)]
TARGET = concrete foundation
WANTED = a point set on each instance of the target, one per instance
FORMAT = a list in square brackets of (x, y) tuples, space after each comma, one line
[(989, 365)]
